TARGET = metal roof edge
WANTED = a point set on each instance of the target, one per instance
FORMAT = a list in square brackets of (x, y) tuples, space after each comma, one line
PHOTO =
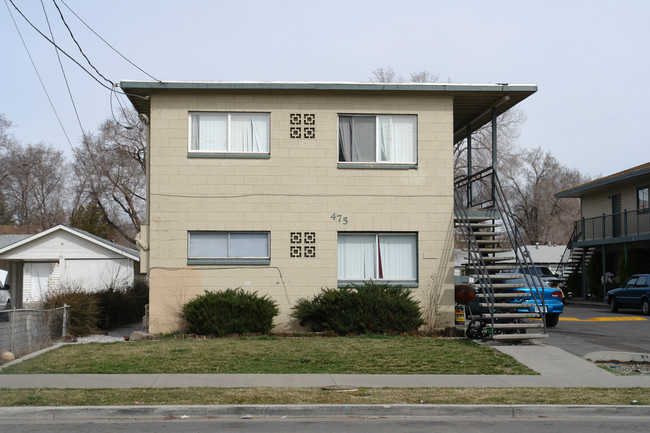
[(313, 85), (616, 177)]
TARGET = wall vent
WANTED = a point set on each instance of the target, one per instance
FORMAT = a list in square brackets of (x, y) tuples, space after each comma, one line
[(302, 125), (308, 250)]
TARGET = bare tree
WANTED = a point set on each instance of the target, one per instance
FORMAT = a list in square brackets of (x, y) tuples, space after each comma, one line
[(34, 185), (508, 129), (533, 176), (385, 74), (111, 172), (423, 77)]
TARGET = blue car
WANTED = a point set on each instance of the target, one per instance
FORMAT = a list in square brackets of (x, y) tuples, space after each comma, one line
[(634, 293), (553, 303)]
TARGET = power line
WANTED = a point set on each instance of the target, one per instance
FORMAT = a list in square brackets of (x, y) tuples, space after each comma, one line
[(59, 48), (109, 45), (79, 46), (39, 75), (65, 77)]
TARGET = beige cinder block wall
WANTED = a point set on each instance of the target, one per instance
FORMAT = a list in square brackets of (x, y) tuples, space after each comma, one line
[(296, 190)]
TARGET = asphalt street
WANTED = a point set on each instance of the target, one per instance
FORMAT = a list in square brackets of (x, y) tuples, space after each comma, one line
[(587, 328), (321, 425)]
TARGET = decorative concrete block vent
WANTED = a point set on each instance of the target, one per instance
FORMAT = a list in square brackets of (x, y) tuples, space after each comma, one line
[(302, 125), (297, 249)]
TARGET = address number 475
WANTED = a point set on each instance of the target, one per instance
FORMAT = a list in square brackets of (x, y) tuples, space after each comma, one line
[(337, 217)]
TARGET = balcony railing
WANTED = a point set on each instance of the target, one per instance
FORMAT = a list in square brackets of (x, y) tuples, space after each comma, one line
[(623, 224)]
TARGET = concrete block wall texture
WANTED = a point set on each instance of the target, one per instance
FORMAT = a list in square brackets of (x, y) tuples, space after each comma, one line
[(297, 189)]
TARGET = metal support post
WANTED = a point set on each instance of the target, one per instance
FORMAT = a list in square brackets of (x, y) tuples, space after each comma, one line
[(469, 166), (494, 153)]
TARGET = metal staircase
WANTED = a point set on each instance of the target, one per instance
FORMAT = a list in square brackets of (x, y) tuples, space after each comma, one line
[(489, 231), (572, 257)]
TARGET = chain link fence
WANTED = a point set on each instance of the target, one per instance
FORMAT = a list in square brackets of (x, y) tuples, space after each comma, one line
[(26, 331)]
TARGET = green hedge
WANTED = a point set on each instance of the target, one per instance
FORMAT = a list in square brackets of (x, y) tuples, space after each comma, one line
[(232, 311), (94, 311), (370, 308)]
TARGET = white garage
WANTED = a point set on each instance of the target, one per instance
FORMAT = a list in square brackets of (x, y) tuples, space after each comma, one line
[(64, 257)]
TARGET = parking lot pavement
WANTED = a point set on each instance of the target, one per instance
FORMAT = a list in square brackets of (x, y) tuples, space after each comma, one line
[(590, 327)]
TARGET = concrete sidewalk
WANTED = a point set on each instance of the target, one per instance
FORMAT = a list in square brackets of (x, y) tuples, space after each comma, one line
[(556, 368)]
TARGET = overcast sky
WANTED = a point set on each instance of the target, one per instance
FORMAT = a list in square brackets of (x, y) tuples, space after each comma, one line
[(590, 59)]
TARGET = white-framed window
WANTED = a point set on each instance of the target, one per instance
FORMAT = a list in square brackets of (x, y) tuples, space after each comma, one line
[(227, 247), (378, 139), (377, 256), (216, 132)]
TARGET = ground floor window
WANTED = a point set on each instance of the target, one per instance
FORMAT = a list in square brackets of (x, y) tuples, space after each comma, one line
[(377, 256), (228, 247)]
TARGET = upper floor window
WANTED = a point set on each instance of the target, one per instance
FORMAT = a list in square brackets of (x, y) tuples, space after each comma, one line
[(378, 138), (642, 199), (212, 132)]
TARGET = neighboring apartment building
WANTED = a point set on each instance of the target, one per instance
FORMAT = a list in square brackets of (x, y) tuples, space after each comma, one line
[(615, 219), (287, 188)]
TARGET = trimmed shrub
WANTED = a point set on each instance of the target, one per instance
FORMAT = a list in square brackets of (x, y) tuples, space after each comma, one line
[(122, 306), (232, 311), (370, 308), (83, 312)]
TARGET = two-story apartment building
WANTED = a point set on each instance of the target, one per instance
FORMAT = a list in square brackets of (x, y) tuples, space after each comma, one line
[(287, 188), (615, 221)]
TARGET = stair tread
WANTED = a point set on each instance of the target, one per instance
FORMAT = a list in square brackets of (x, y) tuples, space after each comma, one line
[(499, 295), (513, 305), (500, 276), (494, 259), (518, 336), (517, 325), (511, 315)]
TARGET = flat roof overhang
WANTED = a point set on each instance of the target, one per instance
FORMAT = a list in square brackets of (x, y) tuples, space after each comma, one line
[(473, 103), (629, 175)]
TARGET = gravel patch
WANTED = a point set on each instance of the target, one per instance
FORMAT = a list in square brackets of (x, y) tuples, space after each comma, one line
[(113, 335), (626, 368)]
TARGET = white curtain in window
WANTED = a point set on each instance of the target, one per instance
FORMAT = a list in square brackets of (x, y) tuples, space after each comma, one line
[(356, 259), (249, 245), (364, 139), (398, 257), (249, 132), (397, 138), (209, 132), (208, 245)]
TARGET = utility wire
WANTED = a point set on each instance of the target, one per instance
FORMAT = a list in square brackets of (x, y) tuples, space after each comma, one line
[(37, 74), (65, 77), (109, 45), (59, 48), (113, 85), (79, 46)]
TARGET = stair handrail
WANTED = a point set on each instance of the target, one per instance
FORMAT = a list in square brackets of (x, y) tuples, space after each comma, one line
[(522, 255), (475, 258), (566, 255)]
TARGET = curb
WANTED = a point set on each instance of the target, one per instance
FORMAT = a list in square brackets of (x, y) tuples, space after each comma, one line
[(329, 411)]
